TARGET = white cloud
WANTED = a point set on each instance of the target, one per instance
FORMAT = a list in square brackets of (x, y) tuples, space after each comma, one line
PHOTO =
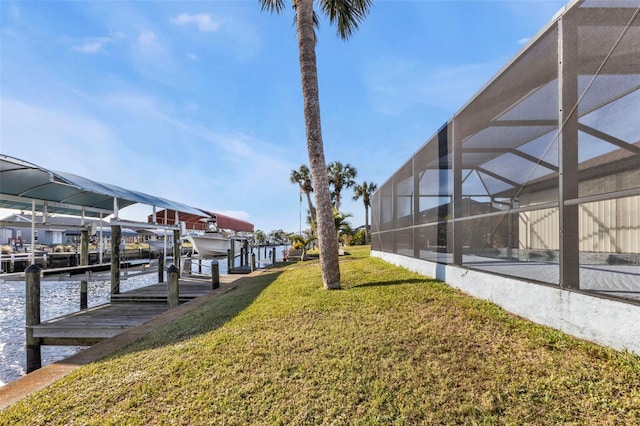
[(397, 83), (523, 41), (155, 151), (193, 57), (90, 46), (82, 144), (235, 154), (238, 214), (203, 21), (148, 42)]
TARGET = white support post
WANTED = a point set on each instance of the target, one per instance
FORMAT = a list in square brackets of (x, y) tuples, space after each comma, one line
[(101, 243), (115, 208), (32, 256)]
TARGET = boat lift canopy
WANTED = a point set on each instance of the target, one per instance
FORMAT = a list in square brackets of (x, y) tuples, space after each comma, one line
[(198, 220), (24, 185)]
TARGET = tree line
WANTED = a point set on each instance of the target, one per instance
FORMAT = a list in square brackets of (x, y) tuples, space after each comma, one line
[(340, 177)]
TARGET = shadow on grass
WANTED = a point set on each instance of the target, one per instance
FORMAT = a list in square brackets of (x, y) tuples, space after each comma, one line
[(388, 283), (208, 317)]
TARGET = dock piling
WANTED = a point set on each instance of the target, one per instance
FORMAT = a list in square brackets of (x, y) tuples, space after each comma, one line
[(116, 240), (161, 269), (215, 274), (84, 261), (32, 317), (173, 275), (176, 249)]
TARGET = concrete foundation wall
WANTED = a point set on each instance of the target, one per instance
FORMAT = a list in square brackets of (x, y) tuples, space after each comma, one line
[(606, 322)]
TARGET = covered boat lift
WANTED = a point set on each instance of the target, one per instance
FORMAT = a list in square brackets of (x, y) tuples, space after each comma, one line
[(26, 186)]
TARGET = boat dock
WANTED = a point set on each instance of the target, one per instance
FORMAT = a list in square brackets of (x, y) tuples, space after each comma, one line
[(113, 325), (126, 310)]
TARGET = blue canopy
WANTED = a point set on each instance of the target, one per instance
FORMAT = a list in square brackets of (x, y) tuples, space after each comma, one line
[(22, 182)]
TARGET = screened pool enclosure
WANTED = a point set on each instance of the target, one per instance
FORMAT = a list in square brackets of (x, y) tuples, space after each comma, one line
[(538, 175)]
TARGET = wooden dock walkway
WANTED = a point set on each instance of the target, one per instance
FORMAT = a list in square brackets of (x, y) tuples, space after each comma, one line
[(126, 310), (42, 377)]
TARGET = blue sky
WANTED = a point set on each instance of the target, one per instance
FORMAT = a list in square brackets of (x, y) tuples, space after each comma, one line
[(200, 102)]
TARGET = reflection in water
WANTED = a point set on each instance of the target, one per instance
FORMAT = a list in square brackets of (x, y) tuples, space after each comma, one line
[(57, 298)]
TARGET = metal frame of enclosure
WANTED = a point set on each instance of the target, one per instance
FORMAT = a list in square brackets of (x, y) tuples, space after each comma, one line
[(538, 175)]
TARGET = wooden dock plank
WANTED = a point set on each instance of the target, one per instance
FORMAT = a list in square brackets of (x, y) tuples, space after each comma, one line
[(108, 321), (126, 310)]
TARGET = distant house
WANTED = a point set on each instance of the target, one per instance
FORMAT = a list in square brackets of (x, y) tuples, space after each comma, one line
[(58, 230)]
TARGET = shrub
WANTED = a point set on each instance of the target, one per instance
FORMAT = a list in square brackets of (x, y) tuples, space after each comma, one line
[(359, 238)]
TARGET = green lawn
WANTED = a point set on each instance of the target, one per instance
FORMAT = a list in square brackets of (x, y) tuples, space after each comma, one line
[(392, 347)]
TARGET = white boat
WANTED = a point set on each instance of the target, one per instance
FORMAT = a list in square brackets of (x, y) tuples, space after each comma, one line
[(211, 244), (156, 239), (159, 245)]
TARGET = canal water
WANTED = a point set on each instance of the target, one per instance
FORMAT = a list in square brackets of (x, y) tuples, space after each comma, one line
[(57, 298), (61, 297)]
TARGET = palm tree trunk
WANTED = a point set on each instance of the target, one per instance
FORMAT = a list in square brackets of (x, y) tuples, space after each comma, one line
[(327, 238), (312, 210)]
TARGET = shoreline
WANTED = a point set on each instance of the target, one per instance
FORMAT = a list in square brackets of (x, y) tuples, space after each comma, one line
[(22, 387)]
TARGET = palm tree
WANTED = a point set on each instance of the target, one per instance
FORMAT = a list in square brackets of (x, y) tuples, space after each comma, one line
[(365, 190), (259, 236), (304, 242), (340, 177), (302, 177), (342, 226), (346, 14)]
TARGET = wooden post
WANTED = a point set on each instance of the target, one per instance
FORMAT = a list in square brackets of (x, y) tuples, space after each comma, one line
[(229, 261), (273, 256), (116, 239), (253, 262), (215, 274), (84, 261), (246, 252), (176, 249), (32, 311), (161, 268), (173, 286)]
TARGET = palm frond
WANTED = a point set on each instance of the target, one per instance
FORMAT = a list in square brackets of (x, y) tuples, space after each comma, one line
[(346, 14), (273, 6)]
